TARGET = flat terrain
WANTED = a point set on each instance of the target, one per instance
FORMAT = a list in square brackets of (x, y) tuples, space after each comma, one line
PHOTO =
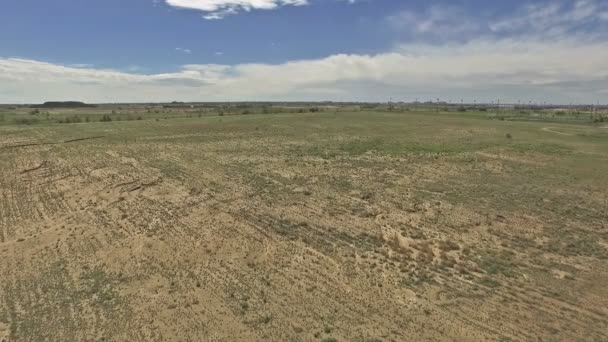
[(363, 226)]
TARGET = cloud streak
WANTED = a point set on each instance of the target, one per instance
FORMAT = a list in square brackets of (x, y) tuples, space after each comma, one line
[(512, 69), (549, 20)]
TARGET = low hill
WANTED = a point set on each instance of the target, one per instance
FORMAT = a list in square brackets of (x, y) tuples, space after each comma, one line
[(63, 104)]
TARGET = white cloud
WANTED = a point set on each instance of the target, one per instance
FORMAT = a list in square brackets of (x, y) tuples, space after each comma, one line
[(539, 53), (82, 65), (188, 51), (509, 69), (218, 9)]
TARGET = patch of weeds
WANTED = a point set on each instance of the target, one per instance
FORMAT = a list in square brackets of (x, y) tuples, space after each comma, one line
[(53, 296), (448, 245), (576, 245), (318, 151), (365, 241), (417, 278), (343, 184), (383, 146), (260, 183), (489, 282), (364, 212), (545, 148), (170, 169), (26, 121), (286, 228), (359, 147), (321, 152), (550, 264), (495, 263), (98, 285)]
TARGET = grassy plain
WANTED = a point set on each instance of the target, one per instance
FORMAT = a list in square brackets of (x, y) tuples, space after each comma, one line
[(346, 226)]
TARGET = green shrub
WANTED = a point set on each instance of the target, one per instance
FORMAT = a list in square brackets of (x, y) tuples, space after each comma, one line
[(73, 119), (26, 121)]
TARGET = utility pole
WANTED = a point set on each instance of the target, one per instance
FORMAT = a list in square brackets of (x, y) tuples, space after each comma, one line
[(597, 115), (498, 106)]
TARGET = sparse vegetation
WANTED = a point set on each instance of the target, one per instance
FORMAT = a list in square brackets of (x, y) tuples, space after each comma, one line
[(299, 222)]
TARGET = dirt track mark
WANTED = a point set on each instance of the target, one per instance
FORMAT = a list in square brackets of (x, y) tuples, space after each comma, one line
[(550, 129), (34, 168), (145, 185), (52, 143)]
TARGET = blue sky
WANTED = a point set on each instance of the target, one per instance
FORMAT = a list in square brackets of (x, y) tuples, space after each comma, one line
[(362, 50)]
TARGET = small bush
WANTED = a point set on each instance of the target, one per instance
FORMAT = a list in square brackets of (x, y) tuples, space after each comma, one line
[(26, 121), (105, 118), (489, 282), (509, 136), (72, 119)]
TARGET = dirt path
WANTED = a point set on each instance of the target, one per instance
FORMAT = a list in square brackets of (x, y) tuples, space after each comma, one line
[(550, 129)]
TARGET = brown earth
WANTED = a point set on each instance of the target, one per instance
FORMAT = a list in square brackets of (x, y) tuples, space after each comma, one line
[(261, 230)]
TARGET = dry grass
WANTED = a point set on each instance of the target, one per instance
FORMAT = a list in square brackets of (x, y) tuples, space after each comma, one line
[(322, 227)]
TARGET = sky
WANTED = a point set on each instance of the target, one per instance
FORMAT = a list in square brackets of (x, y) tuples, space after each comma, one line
[(304, 50)]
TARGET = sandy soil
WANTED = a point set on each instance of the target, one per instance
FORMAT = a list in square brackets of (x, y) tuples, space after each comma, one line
[(236, 237)]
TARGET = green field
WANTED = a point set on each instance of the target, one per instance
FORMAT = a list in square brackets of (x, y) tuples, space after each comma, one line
[(337, 225)]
